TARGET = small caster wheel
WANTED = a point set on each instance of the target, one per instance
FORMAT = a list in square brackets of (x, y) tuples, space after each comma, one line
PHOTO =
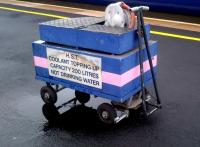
[(106, 113), (82, 97), (50, 112), (48, 94)]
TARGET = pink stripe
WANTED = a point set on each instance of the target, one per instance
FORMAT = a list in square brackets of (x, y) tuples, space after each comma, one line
[(41, 62), (107, 77), (121, 80)]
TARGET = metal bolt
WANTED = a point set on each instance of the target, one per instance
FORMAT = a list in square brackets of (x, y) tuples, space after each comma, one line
[(105, 114)]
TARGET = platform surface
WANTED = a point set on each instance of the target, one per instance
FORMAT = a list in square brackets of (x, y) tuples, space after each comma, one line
[(21, 120)]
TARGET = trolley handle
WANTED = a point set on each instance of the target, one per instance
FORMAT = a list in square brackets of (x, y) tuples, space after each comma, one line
[(144, 8)]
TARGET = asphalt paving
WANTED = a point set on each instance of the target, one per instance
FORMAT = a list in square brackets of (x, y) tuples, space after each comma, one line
[(177, 17), (22, 123)]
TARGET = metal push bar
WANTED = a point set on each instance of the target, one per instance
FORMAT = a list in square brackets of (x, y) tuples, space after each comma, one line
[(142, 34)]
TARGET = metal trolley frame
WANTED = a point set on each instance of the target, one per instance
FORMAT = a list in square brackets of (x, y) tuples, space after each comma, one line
[(114, 112)]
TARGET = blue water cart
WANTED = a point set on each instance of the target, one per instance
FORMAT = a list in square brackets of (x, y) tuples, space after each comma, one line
[(84, 55)]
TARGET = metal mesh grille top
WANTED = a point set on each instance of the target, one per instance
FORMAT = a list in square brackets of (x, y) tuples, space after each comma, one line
[(75, 22), (105, 29), (88, 24)]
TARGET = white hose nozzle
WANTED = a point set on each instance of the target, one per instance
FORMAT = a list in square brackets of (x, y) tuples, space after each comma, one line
[(145, 8)]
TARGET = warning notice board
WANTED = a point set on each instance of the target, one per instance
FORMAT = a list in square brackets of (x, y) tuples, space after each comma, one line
[(75, 67)]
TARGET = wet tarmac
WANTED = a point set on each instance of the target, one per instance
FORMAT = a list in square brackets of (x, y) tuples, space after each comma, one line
[(23, 125)]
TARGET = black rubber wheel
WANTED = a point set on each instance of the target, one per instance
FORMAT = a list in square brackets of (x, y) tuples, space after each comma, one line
[(48, 95), (106, 113), (50, 112), (82, 97)]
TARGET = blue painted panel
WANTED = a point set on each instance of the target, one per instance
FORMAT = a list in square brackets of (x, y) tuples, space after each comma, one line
[(118, 64), (110, 43), (39, 50), (133, 59), (64, 36), (100, 93), (118, 93), (42, 72), (86, 38)]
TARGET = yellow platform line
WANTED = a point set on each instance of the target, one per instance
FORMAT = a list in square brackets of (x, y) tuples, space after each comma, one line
[(61, 17), (175, 36), (33, 12)]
